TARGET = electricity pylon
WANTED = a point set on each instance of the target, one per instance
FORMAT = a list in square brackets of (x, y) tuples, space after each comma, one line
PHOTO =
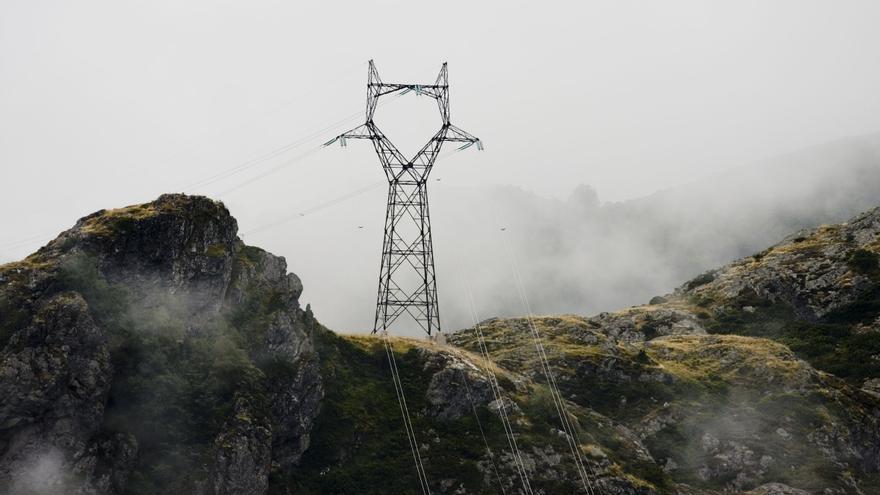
[(407, 283)]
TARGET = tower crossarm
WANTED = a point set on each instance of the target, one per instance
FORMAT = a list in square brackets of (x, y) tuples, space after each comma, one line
[(448, 133), (455, 134), (430, 90)]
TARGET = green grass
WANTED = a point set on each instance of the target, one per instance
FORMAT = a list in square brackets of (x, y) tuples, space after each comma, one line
[(120, 220), (216, 251), (358, 443), (832, 344)]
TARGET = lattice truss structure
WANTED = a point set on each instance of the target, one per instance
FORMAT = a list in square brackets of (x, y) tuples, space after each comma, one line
[(407, 281)]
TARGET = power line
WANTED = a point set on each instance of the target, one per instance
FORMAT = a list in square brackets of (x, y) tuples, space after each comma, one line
[(571, 434), (302, 213), (336, 81), (498, 395), (268, 156), (205, 181), (271, 171), (404, 412), (470, 397), (316, 208), (330, 203), (311, 136)]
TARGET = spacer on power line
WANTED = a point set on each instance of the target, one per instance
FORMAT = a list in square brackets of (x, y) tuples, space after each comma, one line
[(407, 282)]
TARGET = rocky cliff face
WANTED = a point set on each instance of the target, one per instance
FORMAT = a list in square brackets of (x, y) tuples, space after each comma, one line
[(148, 350)]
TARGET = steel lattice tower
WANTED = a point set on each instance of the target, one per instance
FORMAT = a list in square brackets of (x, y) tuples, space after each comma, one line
[(407, 283)]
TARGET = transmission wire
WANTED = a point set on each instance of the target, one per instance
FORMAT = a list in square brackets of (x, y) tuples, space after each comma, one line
[(244, 166), (496, 391), (278, 151), (558, 401), (314, 209), (333, 202), (470, 397), (404, 411)]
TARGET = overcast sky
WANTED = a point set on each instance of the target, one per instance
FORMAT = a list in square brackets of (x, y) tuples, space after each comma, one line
[(109, 103)]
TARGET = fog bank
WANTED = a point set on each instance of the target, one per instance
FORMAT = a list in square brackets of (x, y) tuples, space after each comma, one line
[(579, 255)]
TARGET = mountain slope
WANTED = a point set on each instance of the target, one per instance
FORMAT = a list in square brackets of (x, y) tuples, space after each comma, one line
[(818, 291), (717, 407), (149, 350)]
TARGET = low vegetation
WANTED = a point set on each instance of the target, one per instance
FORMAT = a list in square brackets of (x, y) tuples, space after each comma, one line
[(173, 390)]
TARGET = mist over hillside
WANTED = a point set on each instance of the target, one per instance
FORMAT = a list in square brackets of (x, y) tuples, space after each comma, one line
[(575, 255), (580, 255), (148, 349)]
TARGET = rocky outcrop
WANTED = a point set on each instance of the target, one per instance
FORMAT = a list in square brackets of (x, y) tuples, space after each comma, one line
[(162, 278), (177, 245), (815, 271), (645, 323), (55, 374), (457, 386), (294, 404), (242, 454), (872, 386)]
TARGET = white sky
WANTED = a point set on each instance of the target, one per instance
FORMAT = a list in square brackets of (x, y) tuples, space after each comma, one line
[(108, 103)]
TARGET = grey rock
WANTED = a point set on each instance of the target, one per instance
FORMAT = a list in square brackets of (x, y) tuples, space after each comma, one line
[(185, 247), (872, 386), (295, 403), (809, 270), (180, 261), (54, 378), (242, 455), (107, 464), (640, 324), (511, 408), (456, 388)]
